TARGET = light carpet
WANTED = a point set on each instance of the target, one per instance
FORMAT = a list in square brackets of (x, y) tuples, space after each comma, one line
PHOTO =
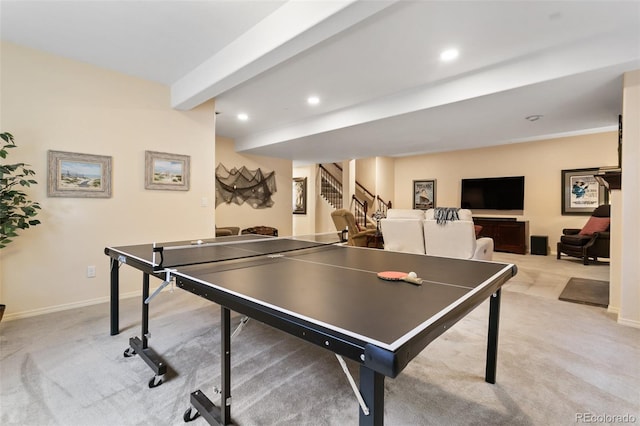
[(556, 361)]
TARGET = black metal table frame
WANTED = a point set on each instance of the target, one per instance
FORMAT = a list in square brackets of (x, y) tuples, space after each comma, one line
[(375, 363), (137, 345)]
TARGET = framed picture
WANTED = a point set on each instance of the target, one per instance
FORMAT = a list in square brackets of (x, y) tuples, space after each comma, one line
[(581, 192), (78, 175), (424, 194), (300, 195), (166, 171)]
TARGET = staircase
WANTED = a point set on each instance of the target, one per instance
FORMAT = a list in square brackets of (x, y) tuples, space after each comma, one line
[(331, 191), (330, 188)]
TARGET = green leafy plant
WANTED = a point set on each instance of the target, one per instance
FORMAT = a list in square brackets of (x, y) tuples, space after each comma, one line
[(16, 210)]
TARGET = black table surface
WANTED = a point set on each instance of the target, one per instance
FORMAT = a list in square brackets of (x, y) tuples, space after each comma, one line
[(337, 287)]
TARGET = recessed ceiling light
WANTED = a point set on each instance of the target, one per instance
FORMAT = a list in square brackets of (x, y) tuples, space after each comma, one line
[(313, 100), (449, 55), (243, 117), (534, 117)]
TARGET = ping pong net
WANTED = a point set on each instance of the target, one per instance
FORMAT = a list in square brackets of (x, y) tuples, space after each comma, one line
[(233, 248)]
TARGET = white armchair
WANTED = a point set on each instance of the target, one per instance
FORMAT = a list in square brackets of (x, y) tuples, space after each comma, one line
[(455, 238), (402, 230)]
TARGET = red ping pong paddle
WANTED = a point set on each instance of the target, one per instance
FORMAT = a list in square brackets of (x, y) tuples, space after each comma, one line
[(400, 276)]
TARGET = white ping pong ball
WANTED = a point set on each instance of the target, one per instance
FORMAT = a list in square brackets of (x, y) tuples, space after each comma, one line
[(199, 241), (413, 275)]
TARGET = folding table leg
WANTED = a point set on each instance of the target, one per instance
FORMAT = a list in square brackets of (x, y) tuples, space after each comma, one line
[(140, 346), (225, 366), (145, 311), (115, 297), (492, 340), (372, 391), (212, 414)]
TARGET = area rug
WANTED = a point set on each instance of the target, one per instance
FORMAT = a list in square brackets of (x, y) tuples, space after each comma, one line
[(585, 291)]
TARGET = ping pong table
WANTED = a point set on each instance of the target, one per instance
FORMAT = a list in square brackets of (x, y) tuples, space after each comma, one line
[(324, 293)]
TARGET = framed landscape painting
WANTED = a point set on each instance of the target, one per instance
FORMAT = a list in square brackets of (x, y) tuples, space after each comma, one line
[(78, 175), (424, 194), (166, 171)]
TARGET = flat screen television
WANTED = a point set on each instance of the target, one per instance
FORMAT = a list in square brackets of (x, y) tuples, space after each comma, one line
[(499, 193)]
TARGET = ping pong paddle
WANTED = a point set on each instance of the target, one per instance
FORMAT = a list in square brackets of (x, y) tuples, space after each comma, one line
[(411, 277)]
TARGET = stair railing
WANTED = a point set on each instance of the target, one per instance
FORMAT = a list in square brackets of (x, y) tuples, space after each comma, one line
[(330, 188), (369, 196), (360, 211), (383, 206)]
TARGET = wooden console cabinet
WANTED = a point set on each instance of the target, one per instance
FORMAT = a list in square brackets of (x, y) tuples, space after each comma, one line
[(508, 235)]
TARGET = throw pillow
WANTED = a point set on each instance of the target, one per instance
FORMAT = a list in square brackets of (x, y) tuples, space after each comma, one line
[(595, 224)]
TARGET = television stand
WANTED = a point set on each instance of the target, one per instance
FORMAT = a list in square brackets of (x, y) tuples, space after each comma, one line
[(508, 234)]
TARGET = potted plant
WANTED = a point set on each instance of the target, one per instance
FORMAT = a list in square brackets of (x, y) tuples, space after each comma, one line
[(16, 210)]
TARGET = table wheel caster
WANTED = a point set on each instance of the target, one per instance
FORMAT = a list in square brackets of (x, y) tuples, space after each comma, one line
[(155, 381), (189, 415), (129, 352)]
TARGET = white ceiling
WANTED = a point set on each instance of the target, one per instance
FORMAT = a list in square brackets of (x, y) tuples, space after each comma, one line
[(374, 64)]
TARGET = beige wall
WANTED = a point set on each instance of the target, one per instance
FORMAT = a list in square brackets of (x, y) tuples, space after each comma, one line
[(385, 179), (324, 222), (51, 103), (366, 173), (280, 214), (303, 224), (628, 270), (541, 163), (377, 175)]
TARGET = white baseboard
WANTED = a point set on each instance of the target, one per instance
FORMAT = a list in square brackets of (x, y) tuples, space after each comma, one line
[(57, 308), (628, 322), (622, 321)]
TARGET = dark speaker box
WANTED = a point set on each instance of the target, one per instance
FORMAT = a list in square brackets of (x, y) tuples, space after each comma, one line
[(539, 244)]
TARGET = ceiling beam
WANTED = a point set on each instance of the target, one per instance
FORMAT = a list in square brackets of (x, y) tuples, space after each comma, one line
[(291, 29), (559, 62)]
